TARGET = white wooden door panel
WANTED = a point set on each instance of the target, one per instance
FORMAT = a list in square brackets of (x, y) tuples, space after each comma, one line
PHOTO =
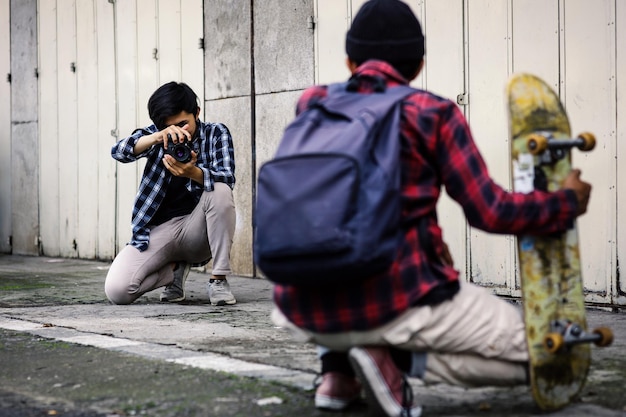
[(5, 128), (48, 130), (530, 29), (147, 59), (536, 23), (68, 141), (492, 257), (126, 58), (332, 24), (620, 28), (589, 80), (106, 123), (444, 65), (444, 75), (87, 136), (192, 56), (355, 6), (169, 36)]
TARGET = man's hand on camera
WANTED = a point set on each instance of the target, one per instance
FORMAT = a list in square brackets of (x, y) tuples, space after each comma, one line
[(174, 134), (179, 169)]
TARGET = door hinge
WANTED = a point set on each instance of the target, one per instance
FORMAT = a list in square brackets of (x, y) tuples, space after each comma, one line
[(114, 133), (112, 1), (310, 23), (462, 99), (201, 43), (155, 54)]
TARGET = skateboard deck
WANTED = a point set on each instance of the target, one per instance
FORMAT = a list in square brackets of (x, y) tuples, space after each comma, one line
[(551, 281)]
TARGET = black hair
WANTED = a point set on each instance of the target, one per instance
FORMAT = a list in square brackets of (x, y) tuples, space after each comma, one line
[(169, 100)]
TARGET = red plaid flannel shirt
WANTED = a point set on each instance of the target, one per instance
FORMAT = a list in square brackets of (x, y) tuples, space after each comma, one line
[(437, 150)]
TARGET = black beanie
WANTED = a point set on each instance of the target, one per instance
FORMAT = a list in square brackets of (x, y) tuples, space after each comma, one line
[(386, 30)]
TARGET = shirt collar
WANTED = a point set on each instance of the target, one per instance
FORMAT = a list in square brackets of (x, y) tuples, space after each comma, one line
[(376, 68)]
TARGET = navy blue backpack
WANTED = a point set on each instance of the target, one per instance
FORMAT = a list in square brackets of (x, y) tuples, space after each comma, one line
[(328, 204)]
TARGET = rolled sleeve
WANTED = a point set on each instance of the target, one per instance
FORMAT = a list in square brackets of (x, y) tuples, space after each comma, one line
[(486, 204), (124, 150), (222, 156)]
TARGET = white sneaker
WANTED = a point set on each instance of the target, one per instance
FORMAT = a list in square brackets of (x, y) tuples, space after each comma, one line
[(219, 292)]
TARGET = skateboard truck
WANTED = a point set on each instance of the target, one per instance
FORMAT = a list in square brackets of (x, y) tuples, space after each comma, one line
[(565, 334), (540, 142)]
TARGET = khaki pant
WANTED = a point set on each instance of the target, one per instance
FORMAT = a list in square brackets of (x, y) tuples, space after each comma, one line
[(205, 233), (474, 339)]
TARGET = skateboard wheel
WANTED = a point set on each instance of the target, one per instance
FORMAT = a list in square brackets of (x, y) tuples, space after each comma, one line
[(553, 342), (589, 141), (606, 336), (537, 144)]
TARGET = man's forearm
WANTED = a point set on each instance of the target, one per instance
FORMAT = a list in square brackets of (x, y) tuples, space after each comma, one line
[(144, 143), (197, 175)]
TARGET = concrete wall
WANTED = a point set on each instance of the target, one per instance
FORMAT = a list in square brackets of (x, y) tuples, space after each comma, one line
[(258, 58), (24, 128), (5, 126)]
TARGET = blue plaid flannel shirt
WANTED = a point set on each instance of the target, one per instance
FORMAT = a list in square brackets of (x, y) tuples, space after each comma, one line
[(216, 158)]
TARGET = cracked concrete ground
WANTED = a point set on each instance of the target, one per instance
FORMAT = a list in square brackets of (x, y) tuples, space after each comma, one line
[(65, 349)]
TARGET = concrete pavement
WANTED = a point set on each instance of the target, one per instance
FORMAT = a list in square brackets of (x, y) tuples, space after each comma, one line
[(61, 301)]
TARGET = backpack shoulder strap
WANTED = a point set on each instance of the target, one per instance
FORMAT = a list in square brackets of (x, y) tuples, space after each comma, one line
[(342, 100)]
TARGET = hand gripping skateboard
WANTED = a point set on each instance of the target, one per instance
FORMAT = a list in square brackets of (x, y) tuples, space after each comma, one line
[(552, 289)]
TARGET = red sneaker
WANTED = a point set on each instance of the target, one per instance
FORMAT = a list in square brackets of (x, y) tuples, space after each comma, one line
[(385, 385), (337, 391)]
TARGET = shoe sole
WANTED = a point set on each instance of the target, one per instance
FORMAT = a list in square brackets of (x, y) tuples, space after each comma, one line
[(164, 299), (382, 402), (223, 303), (174, 300), (325, 402)]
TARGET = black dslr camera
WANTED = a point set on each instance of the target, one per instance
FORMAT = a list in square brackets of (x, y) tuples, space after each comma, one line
[(180, 151)]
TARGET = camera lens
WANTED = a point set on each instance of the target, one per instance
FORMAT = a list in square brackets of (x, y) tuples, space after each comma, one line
[(181, 153)]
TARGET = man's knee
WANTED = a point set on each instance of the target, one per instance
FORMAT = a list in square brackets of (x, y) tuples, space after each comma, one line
[(221, 198), (118, 295)]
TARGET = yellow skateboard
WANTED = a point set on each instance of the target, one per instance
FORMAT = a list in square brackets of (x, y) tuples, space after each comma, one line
[(551, 280)]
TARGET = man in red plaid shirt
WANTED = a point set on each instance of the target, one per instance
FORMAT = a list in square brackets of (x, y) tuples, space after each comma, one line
[(418, 319)]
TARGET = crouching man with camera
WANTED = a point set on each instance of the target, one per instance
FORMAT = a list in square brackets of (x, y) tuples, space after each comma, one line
[(184, 212)]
